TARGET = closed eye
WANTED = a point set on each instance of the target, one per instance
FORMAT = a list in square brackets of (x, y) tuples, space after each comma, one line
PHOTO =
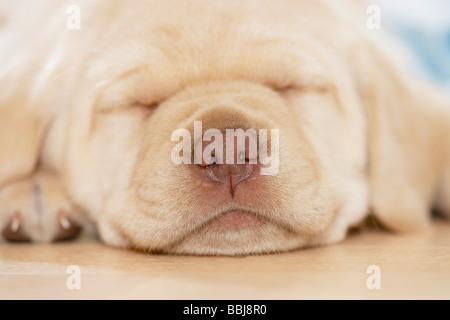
[(123, 106), (312, 86)]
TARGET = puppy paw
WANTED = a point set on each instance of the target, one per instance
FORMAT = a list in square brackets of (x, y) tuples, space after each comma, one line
[(38, 210)]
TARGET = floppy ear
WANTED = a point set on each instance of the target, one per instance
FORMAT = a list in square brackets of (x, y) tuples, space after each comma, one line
[(408, 141)]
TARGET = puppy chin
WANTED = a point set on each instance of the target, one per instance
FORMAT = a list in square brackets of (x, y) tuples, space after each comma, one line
[(264, 239)]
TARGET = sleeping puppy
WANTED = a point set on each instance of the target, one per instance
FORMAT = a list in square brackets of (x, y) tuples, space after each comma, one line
[(128, 121)]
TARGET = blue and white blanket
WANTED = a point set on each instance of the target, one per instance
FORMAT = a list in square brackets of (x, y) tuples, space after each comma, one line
[(424, 25)]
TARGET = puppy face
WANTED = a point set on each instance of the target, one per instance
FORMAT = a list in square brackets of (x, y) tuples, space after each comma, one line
[(120, 111), (229, 71), (193, 208)]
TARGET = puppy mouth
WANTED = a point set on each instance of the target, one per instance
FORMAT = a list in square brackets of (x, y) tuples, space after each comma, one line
[(235, 230), (235, 220)]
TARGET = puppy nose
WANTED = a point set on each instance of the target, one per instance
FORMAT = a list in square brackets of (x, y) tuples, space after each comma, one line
[(228, 174), (230, 168)]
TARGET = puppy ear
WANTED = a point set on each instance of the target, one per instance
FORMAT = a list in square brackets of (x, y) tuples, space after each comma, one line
[(408, 125)]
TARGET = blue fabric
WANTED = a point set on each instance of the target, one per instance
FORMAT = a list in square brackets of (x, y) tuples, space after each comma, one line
[(424, 25), (432, 50)]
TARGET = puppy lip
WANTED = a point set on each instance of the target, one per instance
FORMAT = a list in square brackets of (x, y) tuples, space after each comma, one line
[(238, 218), (235, 220)]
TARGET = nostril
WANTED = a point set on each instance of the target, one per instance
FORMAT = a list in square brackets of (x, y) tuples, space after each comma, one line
[(228, 174), (211, 161), (215, 172), (241, 158)]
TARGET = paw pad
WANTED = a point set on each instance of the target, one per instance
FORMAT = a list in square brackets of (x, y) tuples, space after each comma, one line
[(14, 231), (67, 228)]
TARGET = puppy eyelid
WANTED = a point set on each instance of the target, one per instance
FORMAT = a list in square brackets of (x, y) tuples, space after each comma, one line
[(311, 85), (152, 105), (123, 107)]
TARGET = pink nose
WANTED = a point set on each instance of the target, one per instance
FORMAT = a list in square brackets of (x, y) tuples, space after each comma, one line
[(233, 168), (229, 174)]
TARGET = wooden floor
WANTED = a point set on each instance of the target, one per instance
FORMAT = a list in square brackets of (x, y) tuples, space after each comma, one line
[(410, 267)]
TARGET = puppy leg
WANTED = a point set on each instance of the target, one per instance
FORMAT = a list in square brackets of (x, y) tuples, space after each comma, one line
[(37, 209), (21, 134), (33, 204)]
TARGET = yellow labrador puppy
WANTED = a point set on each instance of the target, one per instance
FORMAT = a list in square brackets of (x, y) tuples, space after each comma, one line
[(211, 127)]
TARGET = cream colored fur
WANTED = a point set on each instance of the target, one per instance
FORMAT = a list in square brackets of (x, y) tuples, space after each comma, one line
[(92, 111)]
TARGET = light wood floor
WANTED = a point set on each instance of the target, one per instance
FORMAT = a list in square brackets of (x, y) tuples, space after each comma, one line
[(411, 267)]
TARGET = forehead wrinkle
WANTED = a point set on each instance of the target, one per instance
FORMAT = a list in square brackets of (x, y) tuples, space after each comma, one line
[(161, 71)]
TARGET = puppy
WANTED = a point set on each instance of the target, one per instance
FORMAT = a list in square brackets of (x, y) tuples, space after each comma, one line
[(105, 109)]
